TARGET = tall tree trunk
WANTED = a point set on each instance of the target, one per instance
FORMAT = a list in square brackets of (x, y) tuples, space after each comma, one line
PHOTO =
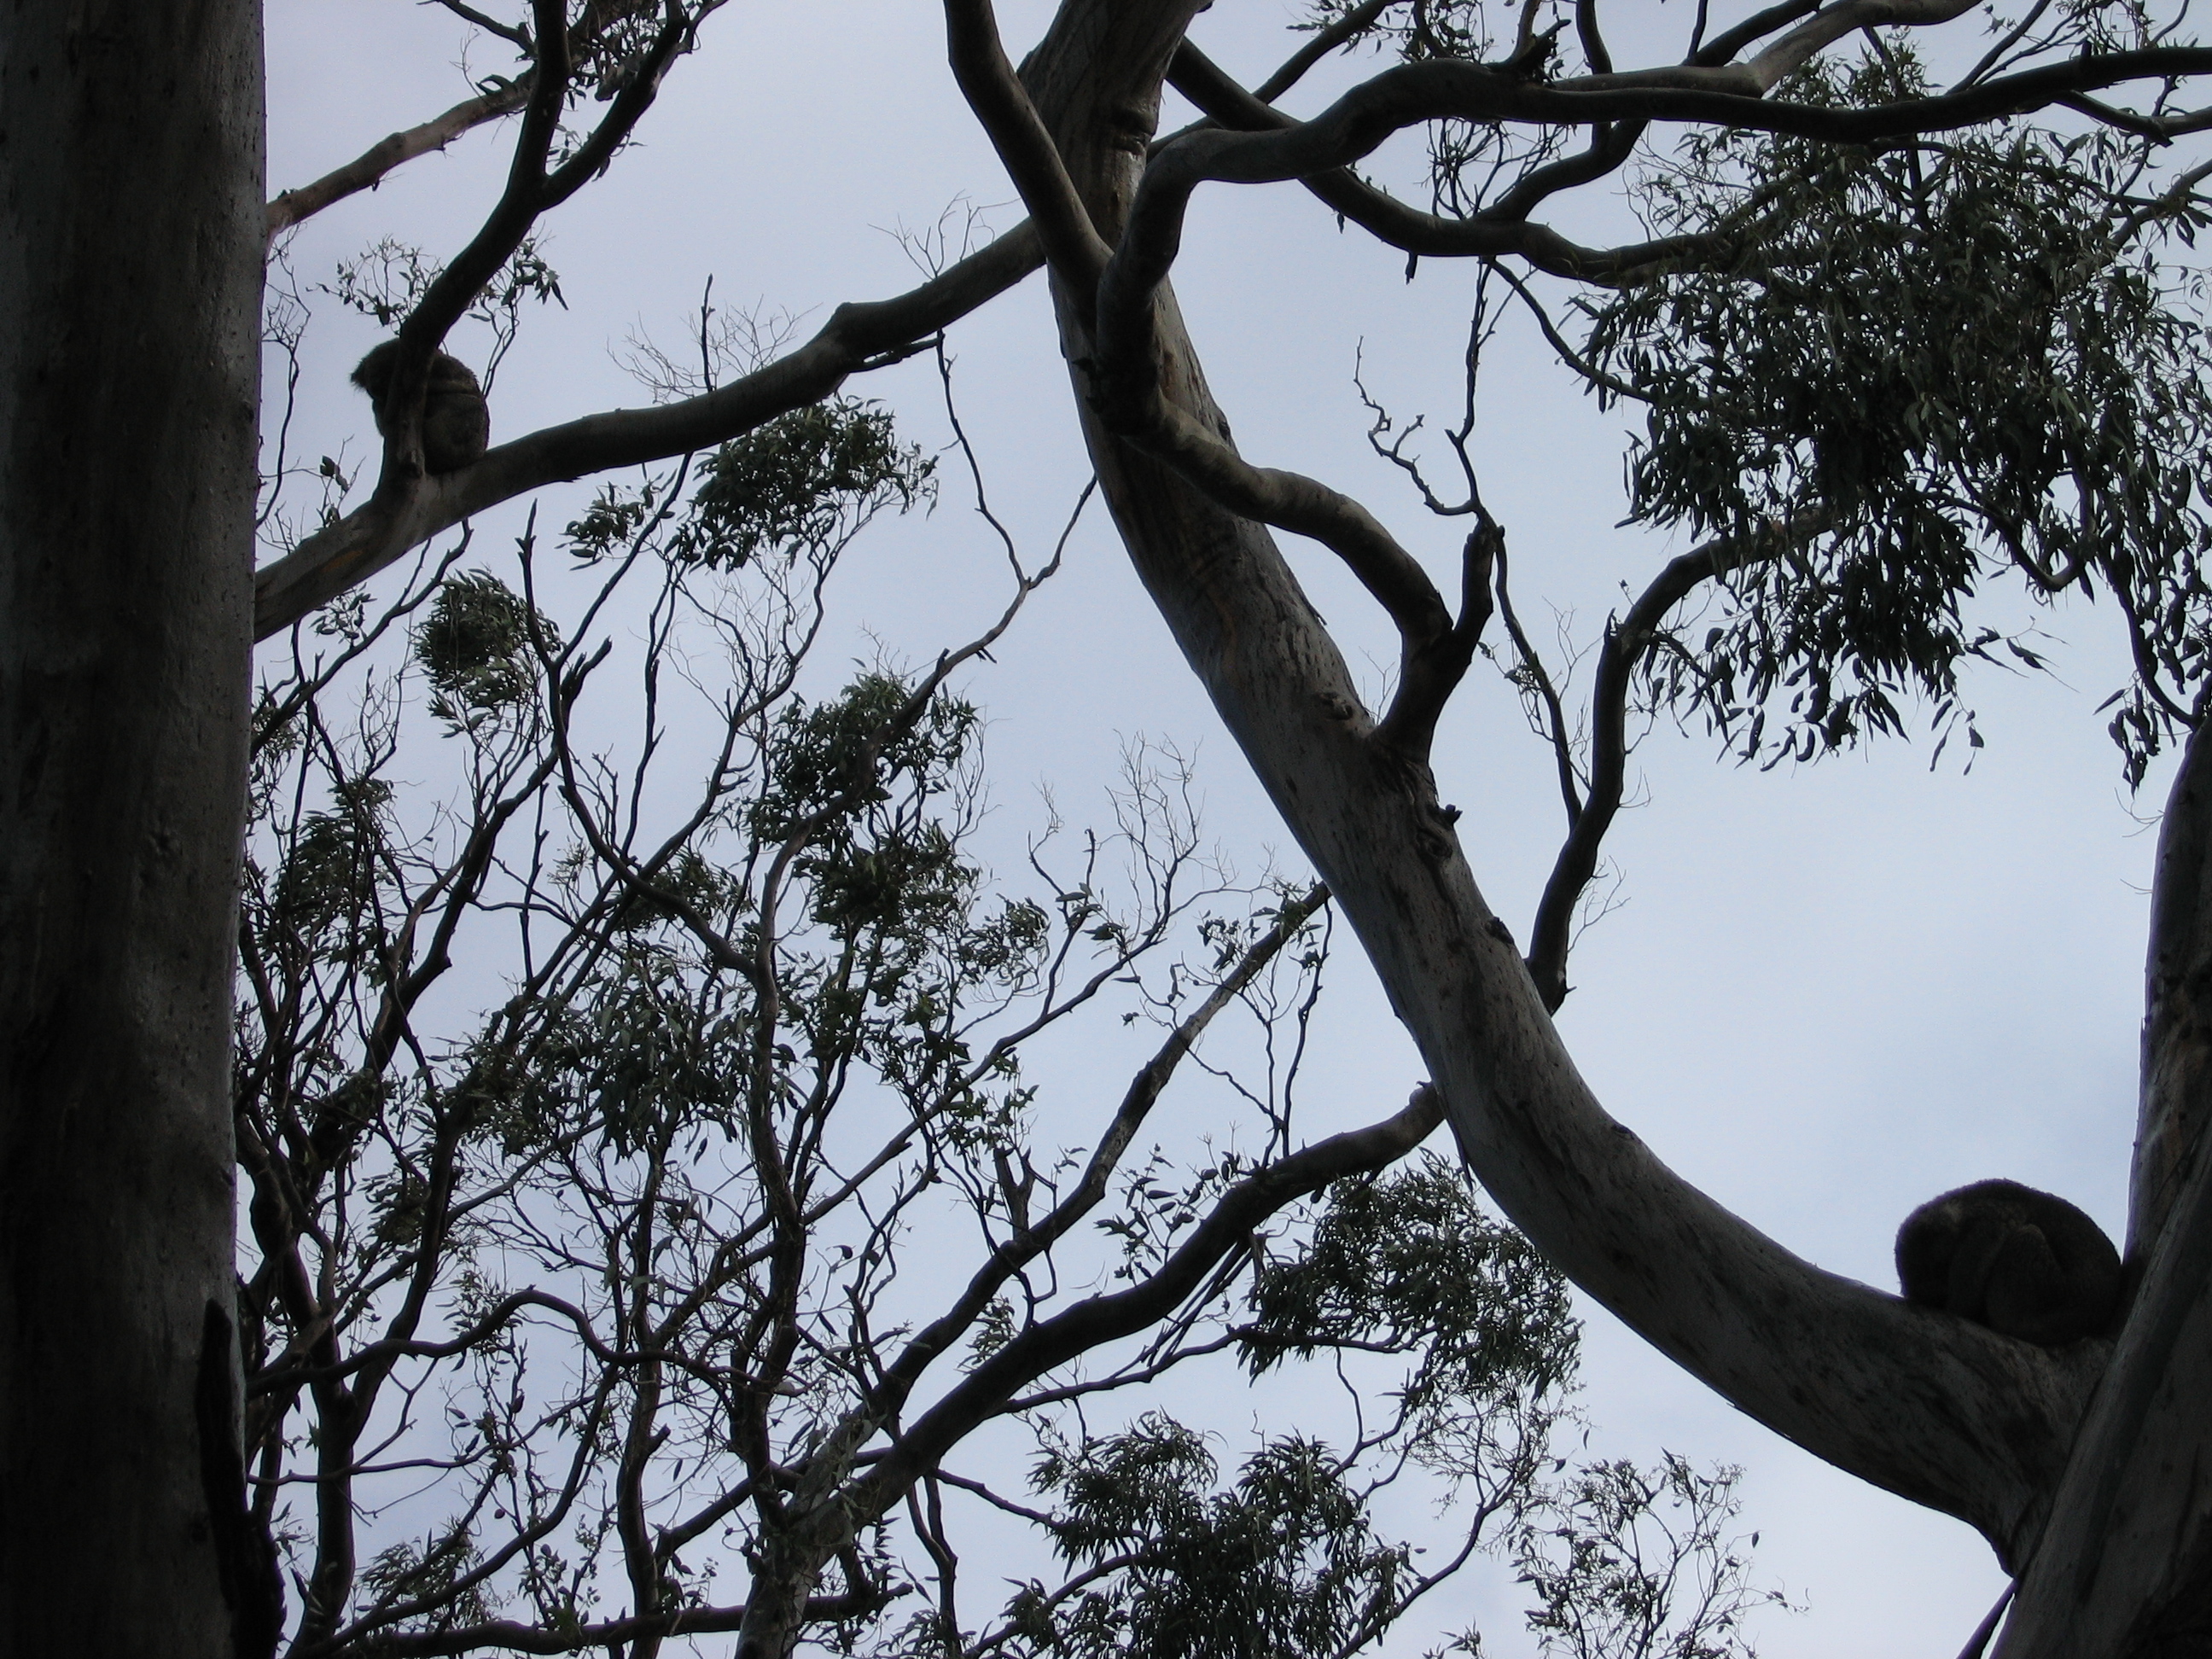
[(2124, 1568), (130, 211)]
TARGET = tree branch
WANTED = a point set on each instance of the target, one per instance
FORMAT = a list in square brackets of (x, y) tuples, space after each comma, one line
[(512, 1637), (1938, 1410), (1125, 289), (1625, 643), (1325, 41), (1072, 245), (530, 191), (375, 164), (1102, 1319), (365, 541), (1726, 96), (1028, 1244), (2176, 1040), (1490, 235), (1288, 500)]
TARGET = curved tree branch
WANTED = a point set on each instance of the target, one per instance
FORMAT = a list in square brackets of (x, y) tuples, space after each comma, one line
[(1072, 245), (1490, 235), (1345, 28), (1764, 72), (1723, 46), (1938, 1410), (1288, 500), (1102, 1319), (1726, 96), (1626, 643), (1127, 289)]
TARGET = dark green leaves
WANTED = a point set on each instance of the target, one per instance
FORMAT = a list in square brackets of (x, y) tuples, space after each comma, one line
[(477, 647), (1409, 1263), (803, 480), (1927, 364), (1282, 1563), (326, 887)]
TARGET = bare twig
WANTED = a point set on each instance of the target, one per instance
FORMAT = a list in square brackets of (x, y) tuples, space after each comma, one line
[(1626, 643)]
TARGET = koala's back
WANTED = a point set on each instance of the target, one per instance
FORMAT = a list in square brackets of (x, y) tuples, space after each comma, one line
[(456, 424), (2024, 1263)]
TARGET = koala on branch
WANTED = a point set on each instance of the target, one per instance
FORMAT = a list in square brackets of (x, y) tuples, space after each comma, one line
[(456, 424), (2025, 1264)]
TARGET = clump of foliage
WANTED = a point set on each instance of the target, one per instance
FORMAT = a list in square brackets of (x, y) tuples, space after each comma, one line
[(1409, 1262), (1926, 360), (1286, 1561), (791, 481), (481, 646)]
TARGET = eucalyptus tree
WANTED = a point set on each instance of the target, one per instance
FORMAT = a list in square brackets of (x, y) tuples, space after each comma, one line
[(129, 206), (1900, 336)]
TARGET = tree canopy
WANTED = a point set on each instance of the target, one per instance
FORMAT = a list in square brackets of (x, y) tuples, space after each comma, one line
[(1900, 298)]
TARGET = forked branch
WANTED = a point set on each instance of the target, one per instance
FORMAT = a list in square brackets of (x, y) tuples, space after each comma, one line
[(1126, 376), (1105, 1318), (1503, 230), (1626, 643), (499, 98)]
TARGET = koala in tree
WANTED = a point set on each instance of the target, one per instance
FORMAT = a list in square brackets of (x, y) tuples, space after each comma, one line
[(456, 425), (2024, 1263)]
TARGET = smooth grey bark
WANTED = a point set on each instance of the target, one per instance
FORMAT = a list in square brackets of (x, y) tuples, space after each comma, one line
[(131, 212), (2177, 1044), (1939, 1411), (2125, 1566)]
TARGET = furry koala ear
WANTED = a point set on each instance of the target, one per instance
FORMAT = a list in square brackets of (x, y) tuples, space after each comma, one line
[(2024, 1263), (373, 374)]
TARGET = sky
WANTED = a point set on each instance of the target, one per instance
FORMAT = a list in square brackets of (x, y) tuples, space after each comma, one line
[(1827, 992)]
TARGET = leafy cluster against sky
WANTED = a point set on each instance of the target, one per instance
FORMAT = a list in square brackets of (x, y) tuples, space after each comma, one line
[(527, 1292)]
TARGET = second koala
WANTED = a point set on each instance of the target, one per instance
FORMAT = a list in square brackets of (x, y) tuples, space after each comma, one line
[(2024, 1263)]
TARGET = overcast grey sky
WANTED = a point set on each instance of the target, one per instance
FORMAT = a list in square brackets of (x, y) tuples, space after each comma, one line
[(1828, 993)]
